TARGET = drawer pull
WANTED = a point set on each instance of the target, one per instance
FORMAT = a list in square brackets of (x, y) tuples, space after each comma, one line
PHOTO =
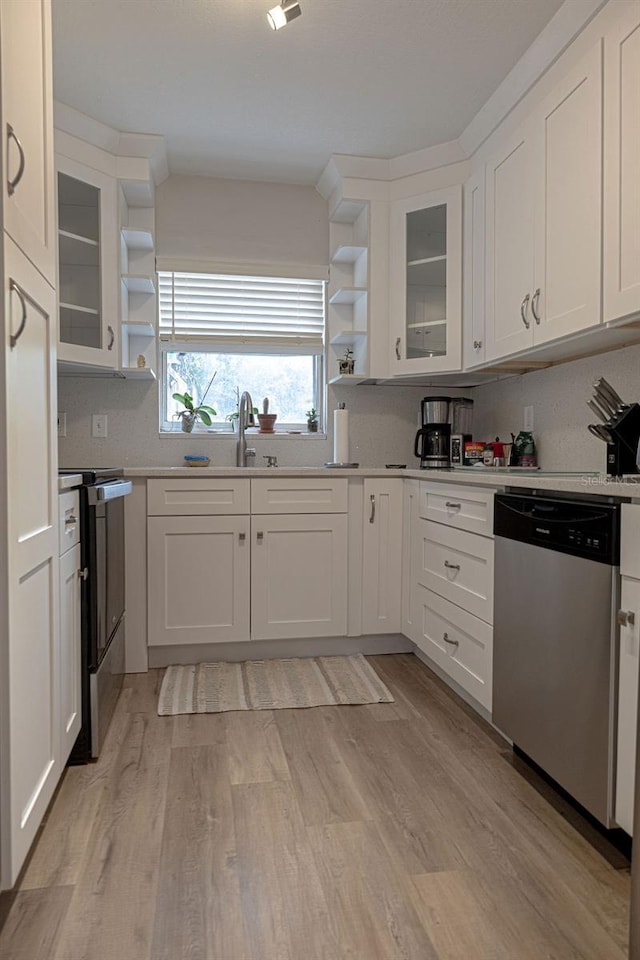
[(372, 515), (451, 566), (452, 505), (626, 618), (453, 643), (71, 521)]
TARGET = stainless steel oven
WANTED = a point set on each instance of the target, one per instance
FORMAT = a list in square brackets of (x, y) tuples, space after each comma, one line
[(103, 603)]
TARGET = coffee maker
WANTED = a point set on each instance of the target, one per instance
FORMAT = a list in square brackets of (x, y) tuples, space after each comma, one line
[(432, 439)]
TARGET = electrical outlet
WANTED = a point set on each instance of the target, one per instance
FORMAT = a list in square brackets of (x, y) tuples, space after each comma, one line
[(528, 418), (99, 425), (62, 424)]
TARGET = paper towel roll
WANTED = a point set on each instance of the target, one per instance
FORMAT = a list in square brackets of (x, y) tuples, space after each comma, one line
[(341, 436)]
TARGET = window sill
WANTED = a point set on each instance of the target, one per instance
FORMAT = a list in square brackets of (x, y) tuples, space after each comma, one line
[(250, 436)]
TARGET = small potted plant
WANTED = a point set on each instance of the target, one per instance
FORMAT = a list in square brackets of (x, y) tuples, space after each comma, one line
[(189, 416), (312, 420), (346, 363)]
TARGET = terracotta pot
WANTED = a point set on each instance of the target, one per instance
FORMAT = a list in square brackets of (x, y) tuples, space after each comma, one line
[(267, 422)]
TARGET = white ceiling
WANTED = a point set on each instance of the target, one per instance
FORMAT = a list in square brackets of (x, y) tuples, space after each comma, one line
[(375, 78)]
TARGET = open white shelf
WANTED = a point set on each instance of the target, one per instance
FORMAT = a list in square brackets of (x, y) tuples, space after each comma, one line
[(138, 239), (347, 253), (138, 373), (347, 336), (136, 283), (348, 295), (347, 379), (140, 328)]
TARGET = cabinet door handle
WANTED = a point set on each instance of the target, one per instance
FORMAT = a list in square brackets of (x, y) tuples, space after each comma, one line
[(453, 643), (451, 566), (23, 297), (112, 337), (12, 184), (534, 303), (372, 514), (242, 537), (259, 536), (398, 341), (523, 308), (452, 505), (477, 344), (626, 618)]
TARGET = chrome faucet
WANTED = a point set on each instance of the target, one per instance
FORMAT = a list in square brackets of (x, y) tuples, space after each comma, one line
[(245, 419)]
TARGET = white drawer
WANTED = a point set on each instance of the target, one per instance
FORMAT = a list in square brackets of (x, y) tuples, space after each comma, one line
[(458, 566), (68, 520), (467, 508), (293, 495), (459, 643), (630, 545), (208, 496)]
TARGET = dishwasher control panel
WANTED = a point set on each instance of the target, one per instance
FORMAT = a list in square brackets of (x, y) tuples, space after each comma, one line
[(580, 528)]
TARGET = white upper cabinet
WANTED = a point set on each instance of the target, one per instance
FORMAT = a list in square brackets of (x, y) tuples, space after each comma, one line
[(568, 218), (426, 282), (622, 168), (27, 145), (88, 265), (543, 219), (510, 246)]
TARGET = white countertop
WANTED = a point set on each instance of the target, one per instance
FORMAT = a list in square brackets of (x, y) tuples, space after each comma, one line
[(587, 484), (68, 481)]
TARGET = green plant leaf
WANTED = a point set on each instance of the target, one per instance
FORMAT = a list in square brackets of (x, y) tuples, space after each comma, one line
[(208, 409), (204, 416)]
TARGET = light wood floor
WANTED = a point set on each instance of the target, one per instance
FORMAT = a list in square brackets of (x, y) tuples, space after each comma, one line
[(371, 833)]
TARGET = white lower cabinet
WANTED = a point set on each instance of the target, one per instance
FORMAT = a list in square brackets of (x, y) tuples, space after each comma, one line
[(410, 514), (198, 576), (298, 576), (382, 556), (461, 644), (450, 593), (627, 702)]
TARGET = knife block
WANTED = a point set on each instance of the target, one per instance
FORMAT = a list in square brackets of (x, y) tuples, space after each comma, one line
[(622, 451)]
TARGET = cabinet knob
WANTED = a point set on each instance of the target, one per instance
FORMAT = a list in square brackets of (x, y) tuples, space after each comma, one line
[(626, 618), (259, 536), (477, 344), (242, 537)]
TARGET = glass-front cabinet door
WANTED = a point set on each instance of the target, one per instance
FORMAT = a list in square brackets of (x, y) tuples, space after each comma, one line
[(87, 266), (426, 282)]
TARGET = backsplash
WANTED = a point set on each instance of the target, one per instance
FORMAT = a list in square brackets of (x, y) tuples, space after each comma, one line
[(383, 422), (558, 396)]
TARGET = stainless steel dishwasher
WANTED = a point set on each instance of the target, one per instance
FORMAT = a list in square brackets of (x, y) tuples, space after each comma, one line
[(555, 650)]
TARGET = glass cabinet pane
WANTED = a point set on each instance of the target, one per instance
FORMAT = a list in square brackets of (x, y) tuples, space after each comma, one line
[(426, 277), (79, 262)]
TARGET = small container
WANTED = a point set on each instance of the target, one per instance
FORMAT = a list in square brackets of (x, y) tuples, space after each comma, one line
[(193, 460), (473, 452)]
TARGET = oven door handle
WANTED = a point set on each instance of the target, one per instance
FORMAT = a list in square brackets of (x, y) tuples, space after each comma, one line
[(100, 492)]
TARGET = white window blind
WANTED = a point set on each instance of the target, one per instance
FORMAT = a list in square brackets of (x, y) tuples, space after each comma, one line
[(220, 308)]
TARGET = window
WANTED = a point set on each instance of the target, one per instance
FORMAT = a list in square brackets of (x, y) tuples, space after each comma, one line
[(261, 334)]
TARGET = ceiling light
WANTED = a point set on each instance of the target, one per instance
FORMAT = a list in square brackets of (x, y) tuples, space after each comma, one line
[(282, 15)]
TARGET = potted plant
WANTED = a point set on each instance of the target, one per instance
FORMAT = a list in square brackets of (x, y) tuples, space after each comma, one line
[(312, 420), (346, 363), (190, 414)]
